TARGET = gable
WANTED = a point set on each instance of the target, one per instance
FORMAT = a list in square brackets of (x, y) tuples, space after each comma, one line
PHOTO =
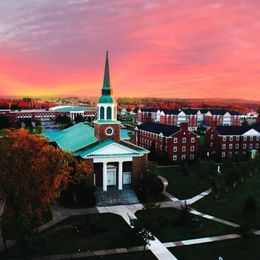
[(251, 132), (111, 149)]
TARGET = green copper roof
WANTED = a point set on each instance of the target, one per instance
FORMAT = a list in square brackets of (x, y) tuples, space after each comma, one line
[(76, 137), (106, 99), (106, 82), (73, 138), (106, 90)]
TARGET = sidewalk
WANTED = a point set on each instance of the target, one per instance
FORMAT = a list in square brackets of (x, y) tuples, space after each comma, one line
[(127, 212)]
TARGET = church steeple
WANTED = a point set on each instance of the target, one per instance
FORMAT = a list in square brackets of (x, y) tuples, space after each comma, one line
[(106, 125), (106, 90)]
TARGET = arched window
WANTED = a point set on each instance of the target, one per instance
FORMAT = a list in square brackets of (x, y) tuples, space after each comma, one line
[(102, 112), (109, 113)]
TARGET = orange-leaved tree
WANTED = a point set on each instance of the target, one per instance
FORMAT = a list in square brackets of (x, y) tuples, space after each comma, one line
[(31, 175)]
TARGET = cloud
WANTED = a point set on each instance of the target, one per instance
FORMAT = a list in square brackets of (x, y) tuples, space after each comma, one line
[(188, 48)]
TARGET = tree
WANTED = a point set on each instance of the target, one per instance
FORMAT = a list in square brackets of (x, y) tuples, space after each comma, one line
[(250, 207), (31, 175), (4, 122), (79, 118)]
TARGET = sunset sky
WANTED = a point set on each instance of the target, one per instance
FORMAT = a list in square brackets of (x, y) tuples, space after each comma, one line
[(157, 48)]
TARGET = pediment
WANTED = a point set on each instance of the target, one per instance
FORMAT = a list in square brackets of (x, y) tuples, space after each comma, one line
[(113, 149), (251, 132)]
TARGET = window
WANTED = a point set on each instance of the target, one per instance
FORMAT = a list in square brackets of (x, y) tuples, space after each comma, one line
[(223, 146), (174, 157), (211, 144), (211, 136), (175, 148), (223, 154), (237, 146), (175, 140), (192, 148), (224, 138), (102, 112), (231, 138), (251, 138), (245, 138), (160, 147), (256, 146), (183, 148), (192, 140), (237, 138), (230, 146), (251, 146), (184, 140), (192, 157), (244, 146), (183, 156), (109, 113), (257, 138)]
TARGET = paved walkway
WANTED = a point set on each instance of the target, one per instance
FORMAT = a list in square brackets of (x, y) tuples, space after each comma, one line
[(198, 197), (222, 221), (113, 196), (127, 212), (201, 240)]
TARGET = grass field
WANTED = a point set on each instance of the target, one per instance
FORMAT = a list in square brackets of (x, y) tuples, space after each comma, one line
[(228, 250), (75, 233), (230, 205), (183, 186), (170, 230)]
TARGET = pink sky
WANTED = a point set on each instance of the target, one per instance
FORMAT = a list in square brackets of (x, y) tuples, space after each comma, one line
[(162, 48)]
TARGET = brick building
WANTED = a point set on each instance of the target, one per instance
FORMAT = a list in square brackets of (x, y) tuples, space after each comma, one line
[(195, 117), (229, 140), (178, 142)]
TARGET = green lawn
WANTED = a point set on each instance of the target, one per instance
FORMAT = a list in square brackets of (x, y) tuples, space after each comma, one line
[(105, 232), (170, 230), (230, 205), (228, 250), (180, 185)]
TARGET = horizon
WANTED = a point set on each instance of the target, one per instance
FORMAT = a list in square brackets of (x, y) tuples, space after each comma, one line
[(173, 50)]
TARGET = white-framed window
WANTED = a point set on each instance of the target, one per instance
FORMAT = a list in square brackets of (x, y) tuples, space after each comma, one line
[(183, 148), (257, 146), (183, 156), (166, 148), (230, 146), (192, 148), (175, 148), (211, 136), (244, 138), (257, 138), (244, 146), (160, 147), (174, 157), (175, 140), (183, 140), (237, 146), (250, 146), (192, 140), (224, 138), (237, 138), (156, 145), (192, 157), (251, 138), (211, 144), (231, 138), (223, 154), (223, 146)]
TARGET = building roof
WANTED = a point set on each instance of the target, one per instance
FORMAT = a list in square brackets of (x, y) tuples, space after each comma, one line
[(68, 108), (166, 130), (110, 148), (143, 109), (232, 130), (77, 137)]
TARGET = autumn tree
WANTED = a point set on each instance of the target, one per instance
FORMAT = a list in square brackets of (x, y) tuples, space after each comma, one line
[(31, 175)]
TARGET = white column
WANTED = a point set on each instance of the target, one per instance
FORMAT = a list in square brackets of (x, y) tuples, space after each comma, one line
[(120, 175), (104, 176)]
